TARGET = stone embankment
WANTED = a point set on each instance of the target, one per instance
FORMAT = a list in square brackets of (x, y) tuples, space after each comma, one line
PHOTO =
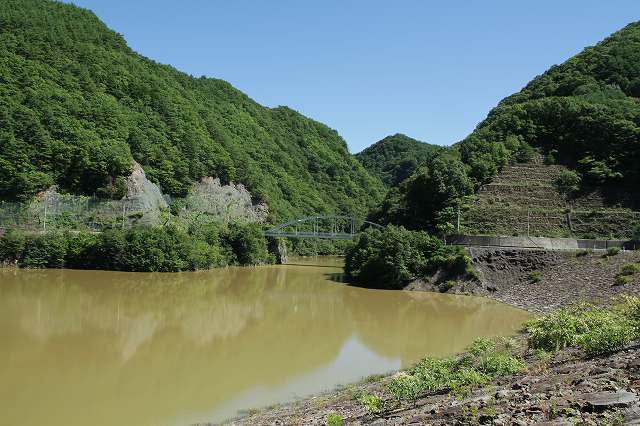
[(524, 199), (539, 280)]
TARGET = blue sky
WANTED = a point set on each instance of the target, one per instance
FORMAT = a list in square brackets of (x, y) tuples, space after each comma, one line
[(431, 70)]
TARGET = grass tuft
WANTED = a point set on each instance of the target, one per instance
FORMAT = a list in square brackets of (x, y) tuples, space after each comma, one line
[(598, 331), (333, 419)]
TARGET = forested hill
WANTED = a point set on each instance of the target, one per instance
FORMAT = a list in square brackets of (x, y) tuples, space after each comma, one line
[(77, 105), (584, 114), (395, 157)]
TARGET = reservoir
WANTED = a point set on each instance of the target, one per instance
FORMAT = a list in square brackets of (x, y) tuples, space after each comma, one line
[(106, 348)]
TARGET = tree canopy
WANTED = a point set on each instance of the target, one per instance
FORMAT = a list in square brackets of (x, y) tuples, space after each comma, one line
[(395, 157), (77, 105), (584, 114)]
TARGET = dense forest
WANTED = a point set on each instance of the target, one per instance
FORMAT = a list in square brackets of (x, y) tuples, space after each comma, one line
[(395, 157), (584, 114), (77, 105)]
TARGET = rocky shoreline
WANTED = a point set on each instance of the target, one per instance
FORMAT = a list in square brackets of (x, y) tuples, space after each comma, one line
[(563, 388), (540, 281), (566, 389)]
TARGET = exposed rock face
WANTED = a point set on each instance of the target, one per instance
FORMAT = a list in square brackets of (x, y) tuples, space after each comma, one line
[(142, 205), (224, 202), (144, 196)]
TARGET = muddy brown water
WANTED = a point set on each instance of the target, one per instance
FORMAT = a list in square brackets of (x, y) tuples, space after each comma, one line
[(114, 348)]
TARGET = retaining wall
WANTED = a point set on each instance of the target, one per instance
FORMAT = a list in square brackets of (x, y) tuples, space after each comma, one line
[(538, 242)]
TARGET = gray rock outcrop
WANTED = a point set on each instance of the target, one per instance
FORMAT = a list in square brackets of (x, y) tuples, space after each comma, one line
[(211, 199), (143, 196)]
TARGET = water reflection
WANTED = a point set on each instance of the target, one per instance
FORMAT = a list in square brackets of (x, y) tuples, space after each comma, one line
[(129, 348)]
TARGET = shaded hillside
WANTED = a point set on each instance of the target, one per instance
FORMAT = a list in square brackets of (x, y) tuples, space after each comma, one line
[(395, 157), (583, 114), (78, 105)]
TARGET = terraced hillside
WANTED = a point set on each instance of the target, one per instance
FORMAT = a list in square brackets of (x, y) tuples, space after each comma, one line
[(524, 199)]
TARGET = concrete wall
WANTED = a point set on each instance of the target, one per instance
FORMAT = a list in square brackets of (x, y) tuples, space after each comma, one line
[(538, 242)]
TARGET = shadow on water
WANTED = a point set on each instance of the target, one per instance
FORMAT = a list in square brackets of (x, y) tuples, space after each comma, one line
[(310, 264), (337, 277)]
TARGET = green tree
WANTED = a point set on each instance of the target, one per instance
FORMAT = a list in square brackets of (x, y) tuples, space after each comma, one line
[(247, 243), (429, 199), (390, 258), (78, 106)]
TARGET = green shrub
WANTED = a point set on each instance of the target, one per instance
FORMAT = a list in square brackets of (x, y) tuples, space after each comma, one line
[(597, 330), (405, 387), (629, 307), (555, 331), (44, 251), (434, 374), (635, 235), (248, 244), (607, 338), (372, 403), (630, 269), (622, 280), (542, 355), (582, 253), (481, 346), (612, 251), (568, 182), (468, 376), (144, 248), (81, 251), (333, 419), (471, 272), (501, 364), (476, 367), (535, 277), (11, 246), (155, 249)]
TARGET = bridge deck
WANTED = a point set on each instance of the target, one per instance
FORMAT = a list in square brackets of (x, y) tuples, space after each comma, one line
[(336, 227), (320, 235)]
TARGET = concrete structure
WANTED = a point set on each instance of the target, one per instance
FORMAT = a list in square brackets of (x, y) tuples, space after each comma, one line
[(538, 242)]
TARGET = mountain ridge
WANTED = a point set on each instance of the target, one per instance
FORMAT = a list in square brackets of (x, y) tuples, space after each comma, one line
[(395, 157), (79, 105), (583, 114)]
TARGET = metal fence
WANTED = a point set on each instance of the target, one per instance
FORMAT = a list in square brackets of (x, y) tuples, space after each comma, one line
[(71, 212)]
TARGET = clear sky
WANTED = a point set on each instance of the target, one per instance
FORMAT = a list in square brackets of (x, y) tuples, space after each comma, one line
[(369, 68)]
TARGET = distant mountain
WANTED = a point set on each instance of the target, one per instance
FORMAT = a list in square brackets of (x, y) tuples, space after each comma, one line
[(583, 114), (395, 157), (78, 106)]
